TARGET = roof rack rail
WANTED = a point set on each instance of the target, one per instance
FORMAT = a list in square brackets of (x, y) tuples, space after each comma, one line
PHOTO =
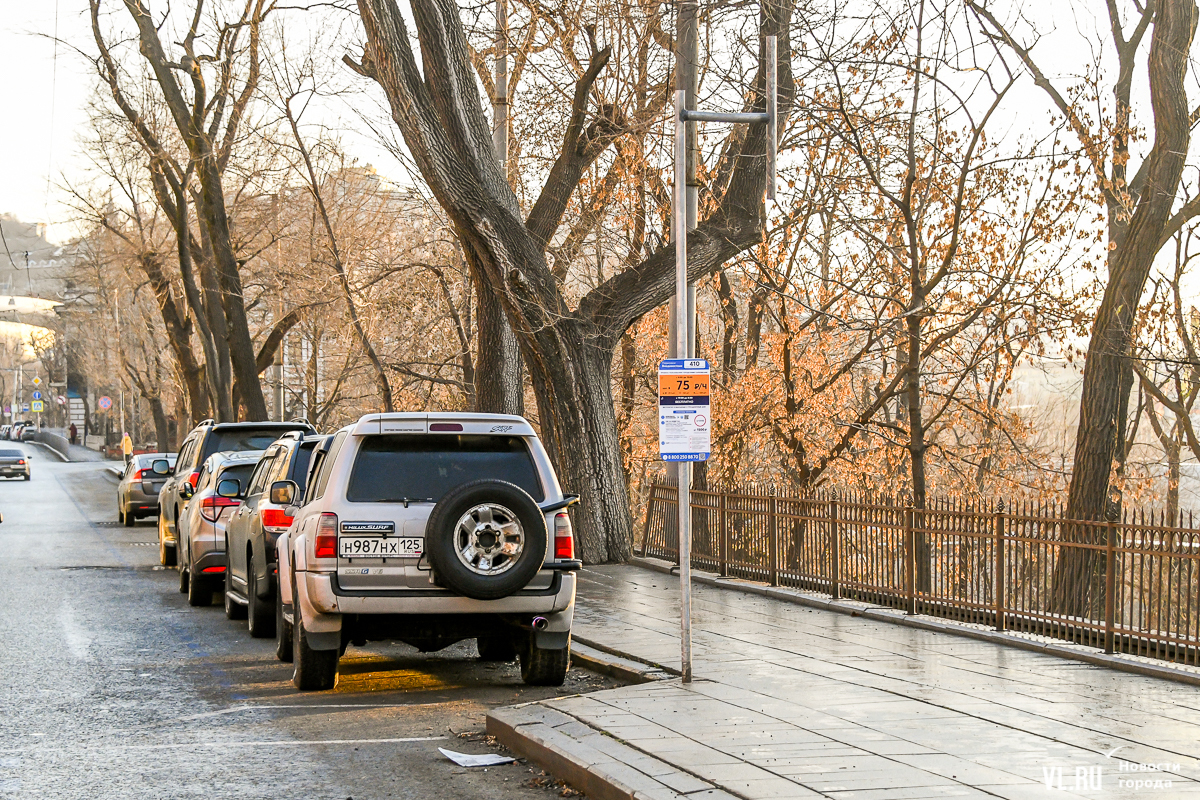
[(206, 421)]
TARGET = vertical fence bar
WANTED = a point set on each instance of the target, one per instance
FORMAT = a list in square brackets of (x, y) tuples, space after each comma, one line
[(723, 527), (649, 513), (998, 577), (1110, 583), (910, 562), (773, 537), (835, 551)]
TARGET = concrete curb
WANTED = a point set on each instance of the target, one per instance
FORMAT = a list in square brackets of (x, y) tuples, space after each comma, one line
[(857, 609), (600, 766), (50, 449), (588, 655)]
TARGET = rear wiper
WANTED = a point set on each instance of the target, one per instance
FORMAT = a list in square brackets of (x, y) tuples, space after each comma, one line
[(407, 500)]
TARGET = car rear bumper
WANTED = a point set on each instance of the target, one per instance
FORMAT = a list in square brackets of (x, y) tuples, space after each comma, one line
[(13, 471), (321, 594), (213, 560)]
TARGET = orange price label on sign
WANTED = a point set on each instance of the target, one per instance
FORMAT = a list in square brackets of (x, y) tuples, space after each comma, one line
[(682, 385)]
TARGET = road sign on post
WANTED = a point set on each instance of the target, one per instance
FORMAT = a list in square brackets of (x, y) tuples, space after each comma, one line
[(37, 395), (105, 403), (37, 381), (37, 406), (684, 410)]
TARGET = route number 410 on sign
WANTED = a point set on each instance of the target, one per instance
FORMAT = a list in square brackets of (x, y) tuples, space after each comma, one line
[(684, 410)]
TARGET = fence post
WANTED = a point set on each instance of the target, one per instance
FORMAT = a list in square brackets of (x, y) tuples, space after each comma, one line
[(723, 565), (998, 576), (649, 512), (910, 562), (835, 570), (1110, 582), (773, 536)]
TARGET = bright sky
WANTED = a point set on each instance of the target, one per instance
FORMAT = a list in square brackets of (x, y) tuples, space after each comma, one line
[(43, 98)]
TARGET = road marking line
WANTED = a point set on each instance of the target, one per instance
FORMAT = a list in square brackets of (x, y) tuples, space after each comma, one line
[(279, 743), (310, 706)]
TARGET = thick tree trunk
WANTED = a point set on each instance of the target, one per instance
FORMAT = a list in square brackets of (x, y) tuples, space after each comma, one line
[(498, 363), (1105, 374), (178, 334), (241, 346), (579, 430), (916, 450), (162, 431)]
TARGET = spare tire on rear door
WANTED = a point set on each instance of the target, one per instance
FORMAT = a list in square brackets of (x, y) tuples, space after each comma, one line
[(486, 539)]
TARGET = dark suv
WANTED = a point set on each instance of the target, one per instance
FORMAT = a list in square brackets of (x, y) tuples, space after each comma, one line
[(252, 566), (205, 439)]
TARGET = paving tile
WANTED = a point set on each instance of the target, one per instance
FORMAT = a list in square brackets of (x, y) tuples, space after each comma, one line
[(682, 782), (800, 692)]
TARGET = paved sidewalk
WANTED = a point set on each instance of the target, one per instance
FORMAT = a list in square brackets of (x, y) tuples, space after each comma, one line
[(798, 702)]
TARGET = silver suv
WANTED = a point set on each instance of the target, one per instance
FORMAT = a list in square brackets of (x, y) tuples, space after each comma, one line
[(430, 529)]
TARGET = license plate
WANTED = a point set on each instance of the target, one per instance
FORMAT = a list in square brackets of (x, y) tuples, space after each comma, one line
[(379, 547)]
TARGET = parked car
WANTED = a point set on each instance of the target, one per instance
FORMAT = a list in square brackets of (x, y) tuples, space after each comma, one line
[(137, 493), (14, 464), (251, 565), (205, 439), (202, 521), (430, 529)]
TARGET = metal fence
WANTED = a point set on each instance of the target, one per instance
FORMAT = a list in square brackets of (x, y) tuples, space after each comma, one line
[(1129, 586)]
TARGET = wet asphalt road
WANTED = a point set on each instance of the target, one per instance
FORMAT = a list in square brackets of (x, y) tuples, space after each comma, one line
[(112, 687)]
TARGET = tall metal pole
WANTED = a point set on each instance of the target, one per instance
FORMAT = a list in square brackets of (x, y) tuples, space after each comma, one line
[(679, 234), (500, 93)]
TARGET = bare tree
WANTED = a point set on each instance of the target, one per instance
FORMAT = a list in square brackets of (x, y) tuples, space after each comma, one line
[(568, 351)]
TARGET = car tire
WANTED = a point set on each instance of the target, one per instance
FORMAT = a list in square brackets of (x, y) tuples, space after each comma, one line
[(233, 610), (540, 667), (259, 613), (184, 582), (199, 592), (471, 512), (496, 648), (129, 519), (120, 515), (166, 555), (28, 477), (316, 670), (283, 631)]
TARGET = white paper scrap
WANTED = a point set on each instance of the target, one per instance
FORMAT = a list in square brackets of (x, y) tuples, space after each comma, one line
[(469, 760)]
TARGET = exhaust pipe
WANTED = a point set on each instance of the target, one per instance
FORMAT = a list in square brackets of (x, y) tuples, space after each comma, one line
[(540, 623)]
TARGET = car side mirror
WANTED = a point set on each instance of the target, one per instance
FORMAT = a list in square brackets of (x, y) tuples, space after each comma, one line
[(229, 488), (283, 493), (186, 490), (161, 466)]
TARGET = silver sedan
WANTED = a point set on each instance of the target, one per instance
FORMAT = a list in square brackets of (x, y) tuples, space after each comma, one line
[(137, 493)]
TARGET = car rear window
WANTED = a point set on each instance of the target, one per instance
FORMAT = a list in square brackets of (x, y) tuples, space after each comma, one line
[(241, 439), (239, 472), (392, 468), (11, 453), (300, 462)]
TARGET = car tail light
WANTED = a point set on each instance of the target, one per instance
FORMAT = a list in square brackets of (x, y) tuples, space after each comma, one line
[(211, 508), (137, 476), (20, 461), (564, 539), (325, 545), (194, 478), (213, 569), (275, 520)]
